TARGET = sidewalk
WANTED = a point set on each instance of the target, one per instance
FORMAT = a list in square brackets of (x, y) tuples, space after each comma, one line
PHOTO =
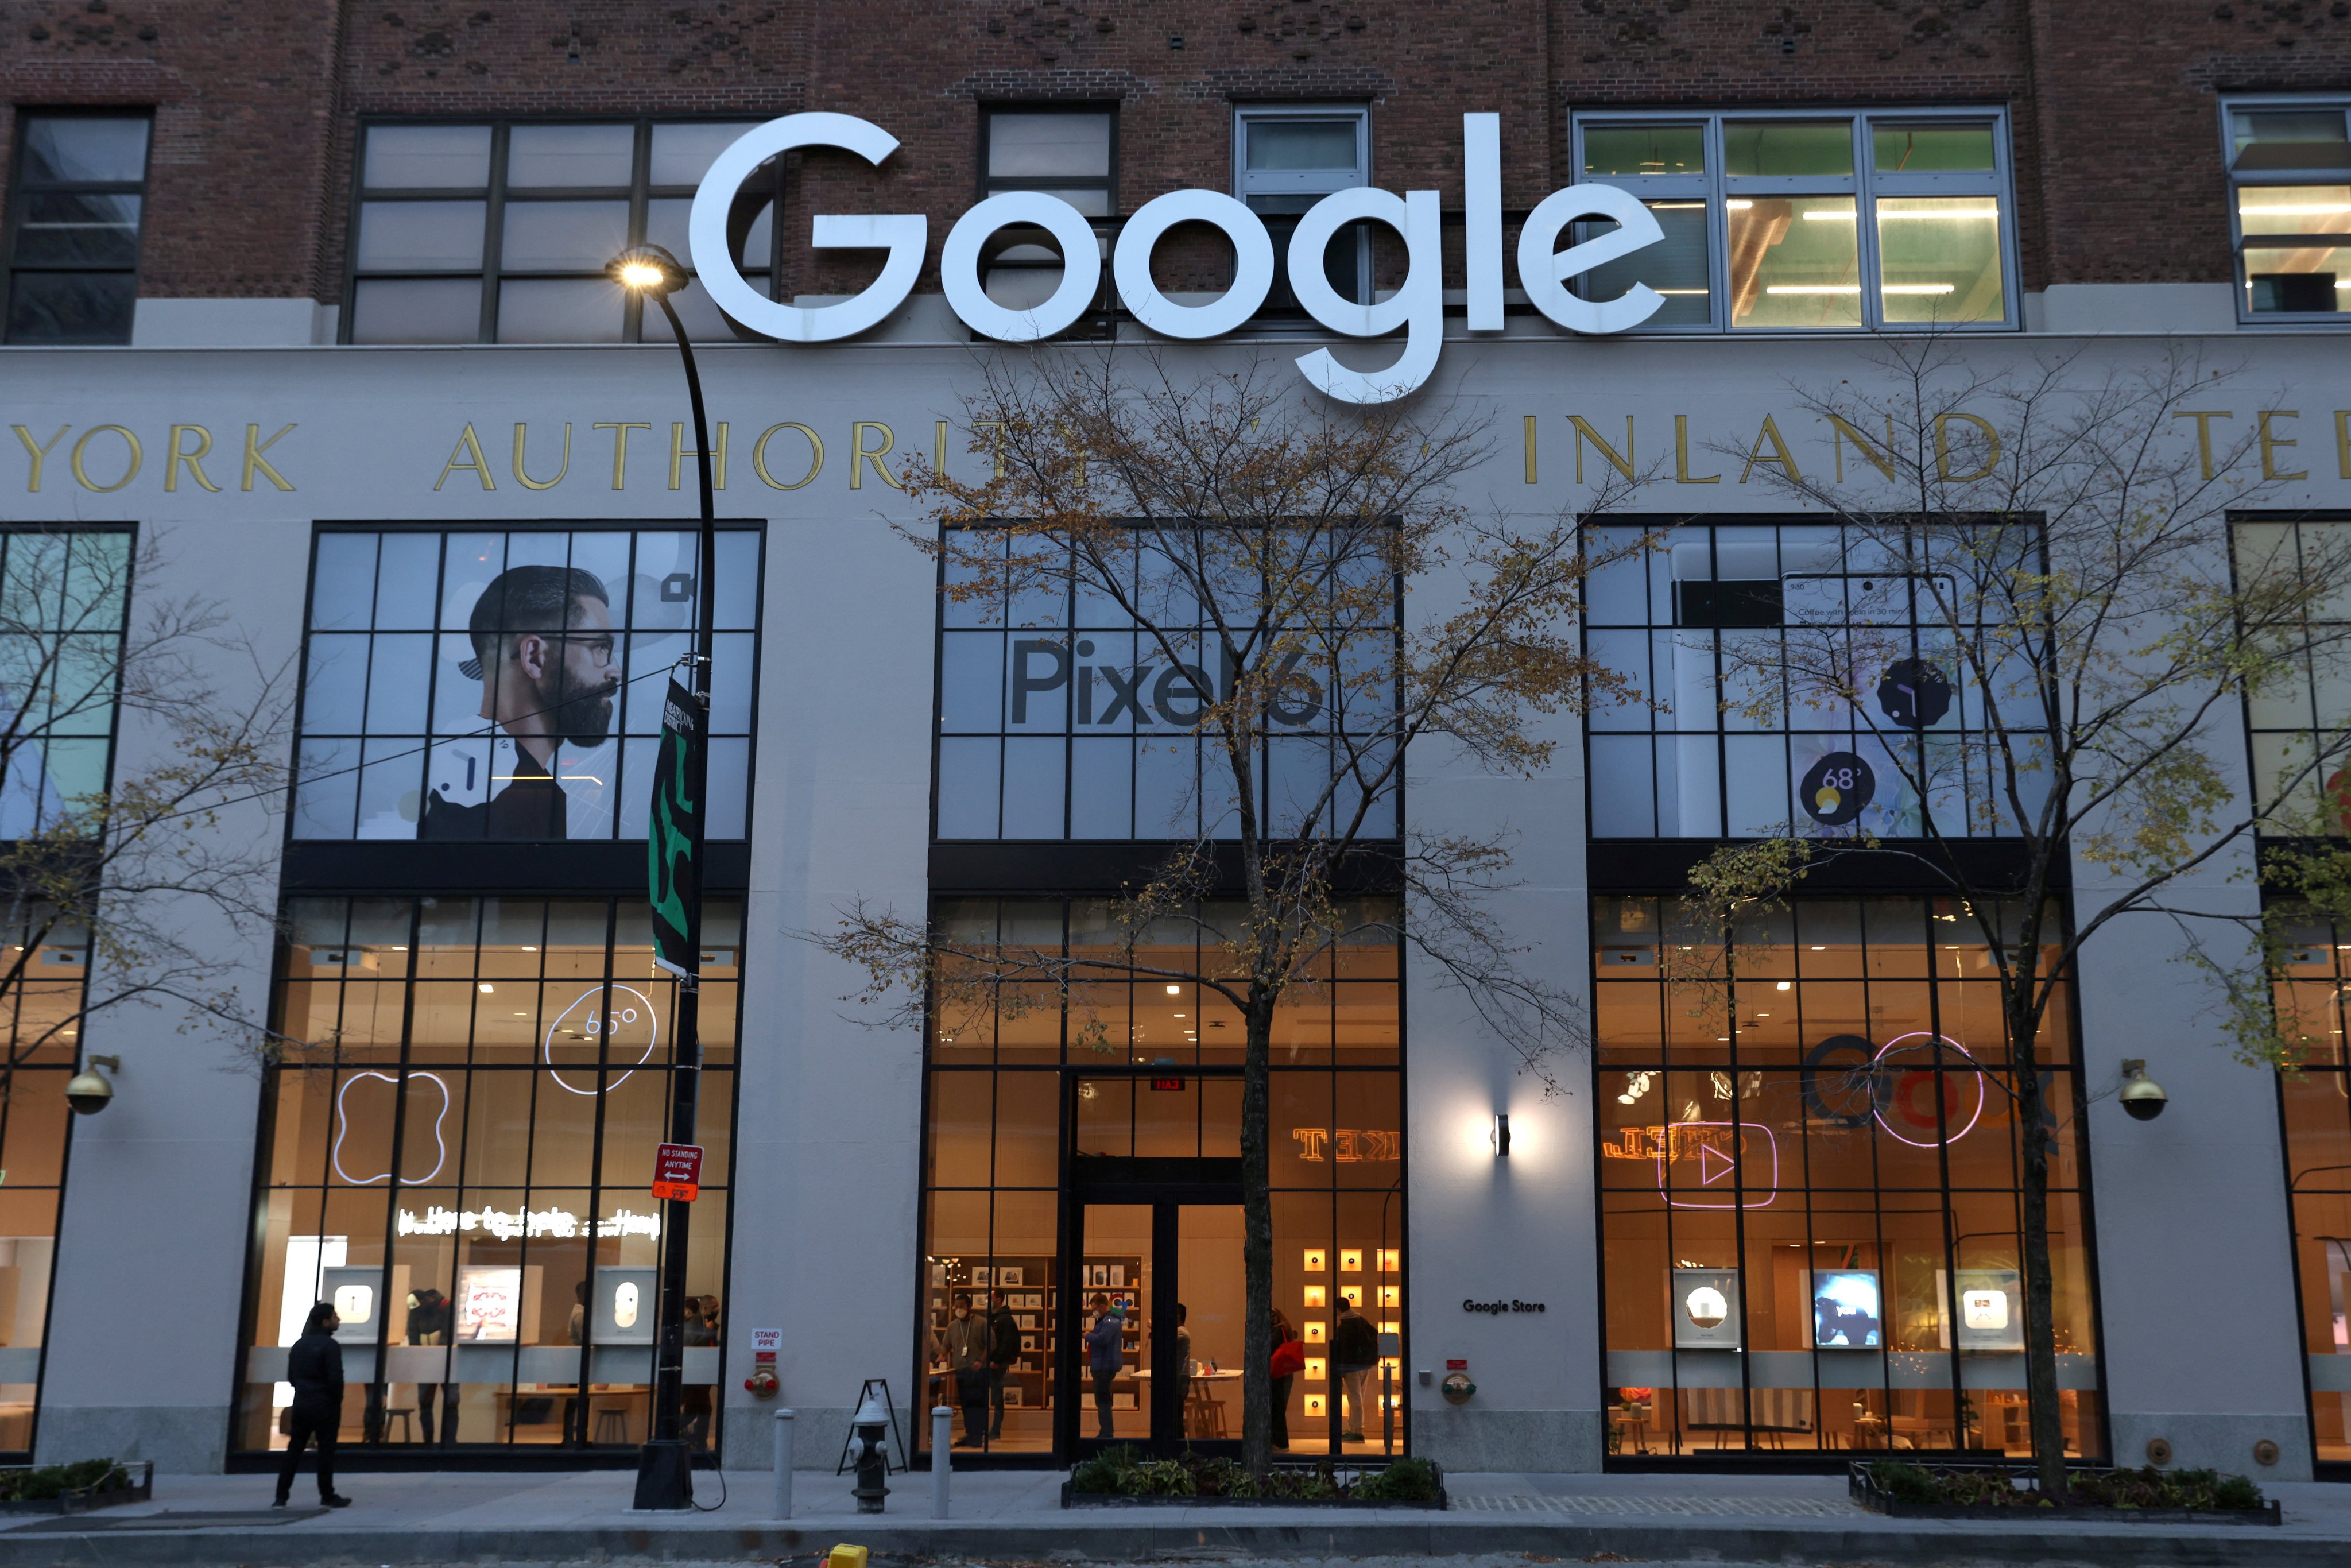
[(504, 1517)]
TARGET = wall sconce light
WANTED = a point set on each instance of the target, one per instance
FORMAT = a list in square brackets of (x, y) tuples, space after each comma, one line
[(1501, 1135), (1390, 1295), (1314, 1260), (1313, 1327), (1314, 1300), (1391, 1260), (89, 1093), (1350, 1262), (1312, 1371), (2142, 1096)]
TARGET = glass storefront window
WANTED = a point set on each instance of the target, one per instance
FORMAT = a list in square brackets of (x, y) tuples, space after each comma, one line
[(508, 684), (2291, 210), (1025, 1084), (1808, 1202), (2297, 721), (459, 1161), (2314, 1103)]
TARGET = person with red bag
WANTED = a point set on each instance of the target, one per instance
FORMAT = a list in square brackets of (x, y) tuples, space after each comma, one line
[(1289, 1361)]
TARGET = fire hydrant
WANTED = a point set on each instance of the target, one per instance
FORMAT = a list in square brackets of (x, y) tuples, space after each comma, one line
[(872, 1426)]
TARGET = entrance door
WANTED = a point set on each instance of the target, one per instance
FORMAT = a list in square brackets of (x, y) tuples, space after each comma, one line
[(1154, 1325)]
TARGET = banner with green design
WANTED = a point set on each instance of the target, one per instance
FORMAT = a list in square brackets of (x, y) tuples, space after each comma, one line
[(673, 840)]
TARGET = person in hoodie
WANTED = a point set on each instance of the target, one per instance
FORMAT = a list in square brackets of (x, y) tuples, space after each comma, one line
[(315, 1367)]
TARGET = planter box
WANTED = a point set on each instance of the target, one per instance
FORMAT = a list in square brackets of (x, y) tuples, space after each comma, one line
[(1865, 1491), (141, 1490), (1118, 1499)]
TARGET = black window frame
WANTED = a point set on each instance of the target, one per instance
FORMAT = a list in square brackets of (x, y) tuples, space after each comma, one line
[(18, 189), (494, 195), (1096, 323)]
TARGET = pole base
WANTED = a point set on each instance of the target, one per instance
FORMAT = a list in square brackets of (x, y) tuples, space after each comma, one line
[(664, 1476)]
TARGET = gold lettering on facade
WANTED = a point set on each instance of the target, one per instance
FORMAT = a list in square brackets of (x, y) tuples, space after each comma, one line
[(2342, 441), (1781, 454), (1682, 476), (254, 461), (1943, 448), (2204, 418), (1347, 1146), (469, 449), (130, 470), (939, 451), (40, 454), (522, 474), (174, 454), (1583, 432), (1840, 433), (998, 446), (860, 455), (760, 457), (2270, 443), (1531, 449), (679, 452), (619, 429)]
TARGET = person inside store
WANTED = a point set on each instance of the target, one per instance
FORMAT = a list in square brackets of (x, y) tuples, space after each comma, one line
[(576, 1333), (1289, 1361), (693, 1398), (429, 1312), (1003, 1350), (967, 1364), (315, 1367), (1104, 1357), (1355, 1350), (543, 650)]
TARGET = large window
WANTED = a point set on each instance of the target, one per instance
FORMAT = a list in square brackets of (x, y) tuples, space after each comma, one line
[(2316, 1101), (1736, 636), (2290, 206), (1809, 1168), (39, 1022), (1285, 160), (1801, 221), (458, 1161), (507, 684), (1060, 718), (65, 601), (1131, 1070), (500, 233), (2299, 724), (73, 227)]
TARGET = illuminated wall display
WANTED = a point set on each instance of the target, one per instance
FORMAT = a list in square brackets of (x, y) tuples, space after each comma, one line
[(623, 1297), (1990, 1308), (1706, 1309), (1848, 1312)]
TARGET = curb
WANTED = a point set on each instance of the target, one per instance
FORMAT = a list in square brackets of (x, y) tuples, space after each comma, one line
[(299, 1546)]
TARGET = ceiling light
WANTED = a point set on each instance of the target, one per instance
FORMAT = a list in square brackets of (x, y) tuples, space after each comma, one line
[(1175, 990), (486, 988), (1781, 985)]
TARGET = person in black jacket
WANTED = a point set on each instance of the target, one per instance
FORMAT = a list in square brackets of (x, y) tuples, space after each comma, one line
[(1357, 1350), (315, 1367), (1003, 1350)]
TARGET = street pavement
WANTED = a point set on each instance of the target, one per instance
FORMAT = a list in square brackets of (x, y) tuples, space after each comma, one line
[(488, 1517)]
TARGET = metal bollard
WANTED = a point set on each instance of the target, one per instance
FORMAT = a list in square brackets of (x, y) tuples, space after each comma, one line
[(784, 1463), (941, 1442)]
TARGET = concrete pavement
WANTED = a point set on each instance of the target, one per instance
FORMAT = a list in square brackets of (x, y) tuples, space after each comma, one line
[(508, 1517)]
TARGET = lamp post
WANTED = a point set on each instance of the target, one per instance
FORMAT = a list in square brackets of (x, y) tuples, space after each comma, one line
[(664, 1466)]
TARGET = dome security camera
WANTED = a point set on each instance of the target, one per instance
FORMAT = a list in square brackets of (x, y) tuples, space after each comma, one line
[(89, 1092), (2142, 1096)]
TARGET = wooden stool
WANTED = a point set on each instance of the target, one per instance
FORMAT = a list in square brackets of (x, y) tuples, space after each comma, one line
[(611, 1424), (407, 1423)]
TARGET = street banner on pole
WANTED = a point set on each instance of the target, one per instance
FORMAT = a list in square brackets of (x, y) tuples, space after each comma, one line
[(674, 840)]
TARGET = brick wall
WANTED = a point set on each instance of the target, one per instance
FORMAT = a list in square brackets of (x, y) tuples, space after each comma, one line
[(2116, 146)]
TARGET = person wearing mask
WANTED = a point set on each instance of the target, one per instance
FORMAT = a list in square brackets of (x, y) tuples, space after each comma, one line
[(1355, 1350), (1289, 1361), (1105, 1356), (429, 1312), (967, 1364), (1003, 1350), (315, 1367)]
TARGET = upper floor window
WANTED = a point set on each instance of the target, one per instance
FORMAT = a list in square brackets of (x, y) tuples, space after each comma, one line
[(1285, 160), (1066, 152), (500, 233), (73, 229), (2290, 204), (1801, 221)]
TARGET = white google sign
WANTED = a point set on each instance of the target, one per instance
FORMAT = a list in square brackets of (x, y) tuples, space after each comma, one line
[(1417, 307)]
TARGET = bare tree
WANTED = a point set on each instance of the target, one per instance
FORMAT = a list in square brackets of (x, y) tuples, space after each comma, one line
[(1263, 549), (126, 882), (2035, 624)]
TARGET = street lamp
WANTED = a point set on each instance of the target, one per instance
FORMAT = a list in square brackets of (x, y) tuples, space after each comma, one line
[(666, 1464)]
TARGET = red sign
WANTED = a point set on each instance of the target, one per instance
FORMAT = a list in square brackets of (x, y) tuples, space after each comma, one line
[(678, 1172), (1461, 1365), (1172, 1085)]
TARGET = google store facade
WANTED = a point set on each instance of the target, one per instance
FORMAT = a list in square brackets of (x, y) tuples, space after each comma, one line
[(1699, 1254)]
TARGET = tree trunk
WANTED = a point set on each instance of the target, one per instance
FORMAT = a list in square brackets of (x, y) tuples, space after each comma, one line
[(2040, 1282), (1256, 1240)]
